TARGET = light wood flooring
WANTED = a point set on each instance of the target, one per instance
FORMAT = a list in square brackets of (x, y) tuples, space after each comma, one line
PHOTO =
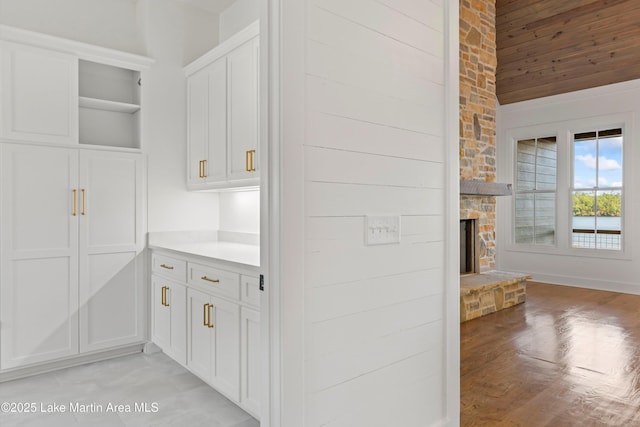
[(182, 399), (566, 357)]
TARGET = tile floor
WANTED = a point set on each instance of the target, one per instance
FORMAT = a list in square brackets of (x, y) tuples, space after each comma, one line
[(173, 397)]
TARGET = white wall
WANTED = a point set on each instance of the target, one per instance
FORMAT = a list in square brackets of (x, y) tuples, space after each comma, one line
[(240, 211), (237, 16), (563, 265), (111, 24), (171, 207), (366, 122)]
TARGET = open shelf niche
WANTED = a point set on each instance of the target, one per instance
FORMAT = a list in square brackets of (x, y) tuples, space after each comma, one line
[(109, 102)]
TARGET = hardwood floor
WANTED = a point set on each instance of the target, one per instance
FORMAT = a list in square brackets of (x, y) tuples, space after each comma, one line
[(566, 357)]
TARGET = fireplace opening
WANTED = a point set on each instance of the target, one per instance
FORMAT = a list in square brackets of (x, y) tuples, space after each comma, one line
[(469, 253)]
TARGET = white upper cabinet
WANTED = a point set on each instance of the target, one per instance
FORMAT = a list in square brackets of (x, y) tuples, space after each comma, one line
[(39, 94), (243, 111), (222, 114), (58, 91), (207, 124)]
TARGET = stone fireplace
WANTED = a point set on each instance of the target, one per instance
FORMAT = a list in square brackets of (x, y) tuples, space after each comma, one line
[(489, 291), (478, 120)]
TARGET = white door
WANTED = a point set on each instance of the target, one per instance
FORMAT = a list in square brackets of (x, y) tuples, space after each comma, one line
[(250, 348), (161, 314), (199, 333), (225, 370), (111, 243), (242, 78), (39, 263), (39, 94)]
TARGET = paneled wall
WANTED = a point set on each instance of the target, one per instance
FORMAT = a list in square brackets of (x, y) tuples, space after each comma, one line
[(365, 133)]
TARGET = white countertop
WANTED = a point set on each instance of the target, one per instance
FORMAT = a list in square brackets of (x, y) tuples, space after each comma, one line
[(240, 253), (225, 251)]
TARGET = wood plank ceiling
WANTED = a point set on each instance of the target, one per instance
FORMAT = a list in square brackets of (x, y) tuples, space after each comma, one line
[(548, 47)]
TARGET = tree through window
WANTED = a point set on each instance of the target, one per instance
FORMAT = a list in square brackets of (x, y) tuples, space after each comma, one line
[(597, 190)]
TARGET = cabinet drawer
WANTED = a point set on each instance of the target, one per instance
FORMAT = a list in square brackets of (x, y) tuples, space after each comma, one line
[(169, 267), (222, 282), (250, 290)]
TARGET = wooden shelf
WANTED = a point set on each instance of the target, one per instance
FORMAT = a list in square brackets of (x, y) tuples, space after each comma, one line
[(103, 104)]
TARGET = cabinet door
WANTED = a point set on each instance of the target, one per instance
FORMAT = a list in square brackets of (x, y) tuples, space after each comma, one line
[(207, 124), (199, 333), (225, 369), (111, 243), (40, 94), (169, 327), (161, 314), (243, 111), (250, 360), (176, 300), (39, 263)]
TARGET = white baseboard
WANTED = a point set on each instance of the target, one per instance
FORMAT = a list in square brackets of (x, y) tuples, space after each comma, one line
[(583, 282), (81, 359)]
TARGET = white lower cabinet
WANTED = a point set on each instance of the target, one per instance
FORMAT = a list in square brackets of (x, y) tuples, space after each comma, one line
[(222, 327), (170, 317), (250, 359), (214, 341)]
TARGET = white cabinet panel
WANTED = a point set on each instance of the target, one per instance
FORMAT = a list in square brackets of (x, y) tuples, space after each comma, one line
[(39, 263), (110, 301), (225, 373), (169, 328), (243, 111), (199, 334), (250, 359), (40, 94), (214, 342), (110, 212), (207, 124)]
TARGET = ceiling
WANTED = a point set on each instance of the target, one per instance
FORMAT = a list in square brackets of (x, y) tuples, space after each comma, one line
[(548, 47), (213, 6)]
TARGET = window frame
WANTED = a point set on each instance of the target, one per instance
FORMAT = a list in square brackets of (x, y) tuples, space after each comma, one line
[(623, 191), (535, 191), (564, 132)]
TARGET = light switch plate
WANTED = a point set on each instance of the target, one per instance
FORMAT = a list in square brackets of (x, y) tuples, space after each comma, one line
[(382, 230)]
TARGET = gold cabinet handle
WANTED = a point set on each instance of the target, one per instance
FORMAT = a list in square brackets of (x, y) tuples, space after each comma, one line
[(205, 321), (253, 163), (75, 202), (203, 164), (210, 280), (166, 302), (210, 325), (164, 295), (84, 210), (168, 267), (200, 172), (249, 160)]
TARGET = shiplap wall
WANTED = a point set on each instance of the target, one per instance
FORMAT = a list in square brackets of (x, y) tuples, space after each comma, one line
[(373, 142)]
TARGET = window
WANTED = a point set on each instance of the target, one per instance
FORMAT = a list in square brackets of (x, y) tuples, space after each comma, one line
[(535, 195), (597, 190)]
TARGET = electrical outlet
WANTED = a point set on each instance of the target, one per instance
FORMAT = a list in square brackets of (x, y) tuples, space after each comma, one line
[(382, 230)]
